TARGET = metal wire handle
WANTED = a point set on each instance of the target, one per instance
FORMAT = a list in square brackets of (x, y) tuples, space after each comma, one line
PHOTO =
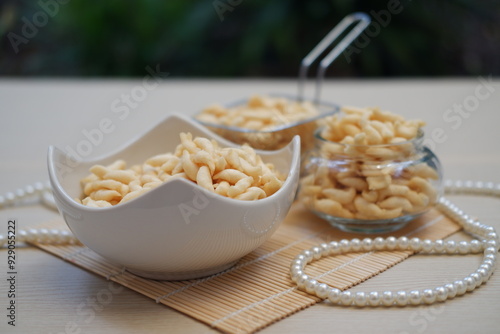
[(364, 21)]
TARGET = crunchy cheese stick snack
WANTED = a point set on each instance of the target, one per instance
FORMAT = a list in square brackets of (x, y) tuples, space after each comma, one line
[(259, 113), (238, 173), (266, 122), (370, 165)]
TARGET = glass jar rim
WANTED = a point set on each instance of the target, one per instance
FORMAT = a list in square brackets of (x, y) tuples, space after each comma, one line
[(414, 141)]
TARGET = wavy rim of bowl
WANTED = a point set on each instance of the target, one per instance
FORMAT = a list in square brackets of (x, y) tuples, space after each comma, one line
[(293, 145)]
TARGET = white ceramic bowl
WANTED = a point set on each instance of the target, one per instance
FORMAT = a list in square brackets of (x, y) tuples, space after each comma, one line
[(177, 230)]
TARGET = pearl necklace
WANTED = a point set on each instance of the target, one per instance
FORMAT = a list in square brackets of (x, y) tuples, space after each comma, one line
[(43, 193), (487, 242)]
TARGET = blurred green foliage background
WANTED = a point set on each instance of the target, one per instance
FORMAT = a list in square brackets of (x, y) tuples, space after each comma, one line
[(241, 38)]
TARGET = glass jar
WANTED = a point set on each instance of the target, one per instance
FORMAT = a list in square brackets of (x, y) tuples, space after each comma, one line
[(370, 188)]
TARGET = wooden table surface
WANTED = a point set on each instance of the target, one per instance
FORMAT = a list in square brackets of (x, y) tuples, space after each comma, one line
[(53, 296)]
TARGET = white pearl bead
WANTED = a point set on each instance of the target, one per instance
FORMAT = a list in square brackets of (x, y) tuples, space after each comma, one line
[(415, 297), (310, 285), (441, 293), (356, 245), (489, 261), (32, 235), (21, 236), (301, 281), (30, 190), (491, 257), (296, 270), (489, 273), (470, 283), (301, 257), (38, 187), (463, 247), (20, 193), (475, 226), (333, 295), (10, 198), (367, 244), (403, 243), (374, 298), (44, 235), (489, 185), (451, 246), (316, 252), (66, 237), (402, 298), (490, 250), (379, 243), (429, 296), (360, 299), (391, 243), (415, 244), (482, 229), (477, 279), (308, 255), (439, 246), (388, 298), (295, 275), (55, 236), (483, 273), (346, 297), (345, 245), (321, 290), (475, 246), (492, 235), (325, 249), (469, 223), (492, 243), (461, 287), (451, 290), (488, 228), (427, 245), (334, 248), (485, 267)]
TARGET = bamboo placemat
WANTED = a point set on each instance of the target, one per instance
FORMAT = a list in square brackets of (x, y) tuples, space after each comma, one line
[(257, 291)]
